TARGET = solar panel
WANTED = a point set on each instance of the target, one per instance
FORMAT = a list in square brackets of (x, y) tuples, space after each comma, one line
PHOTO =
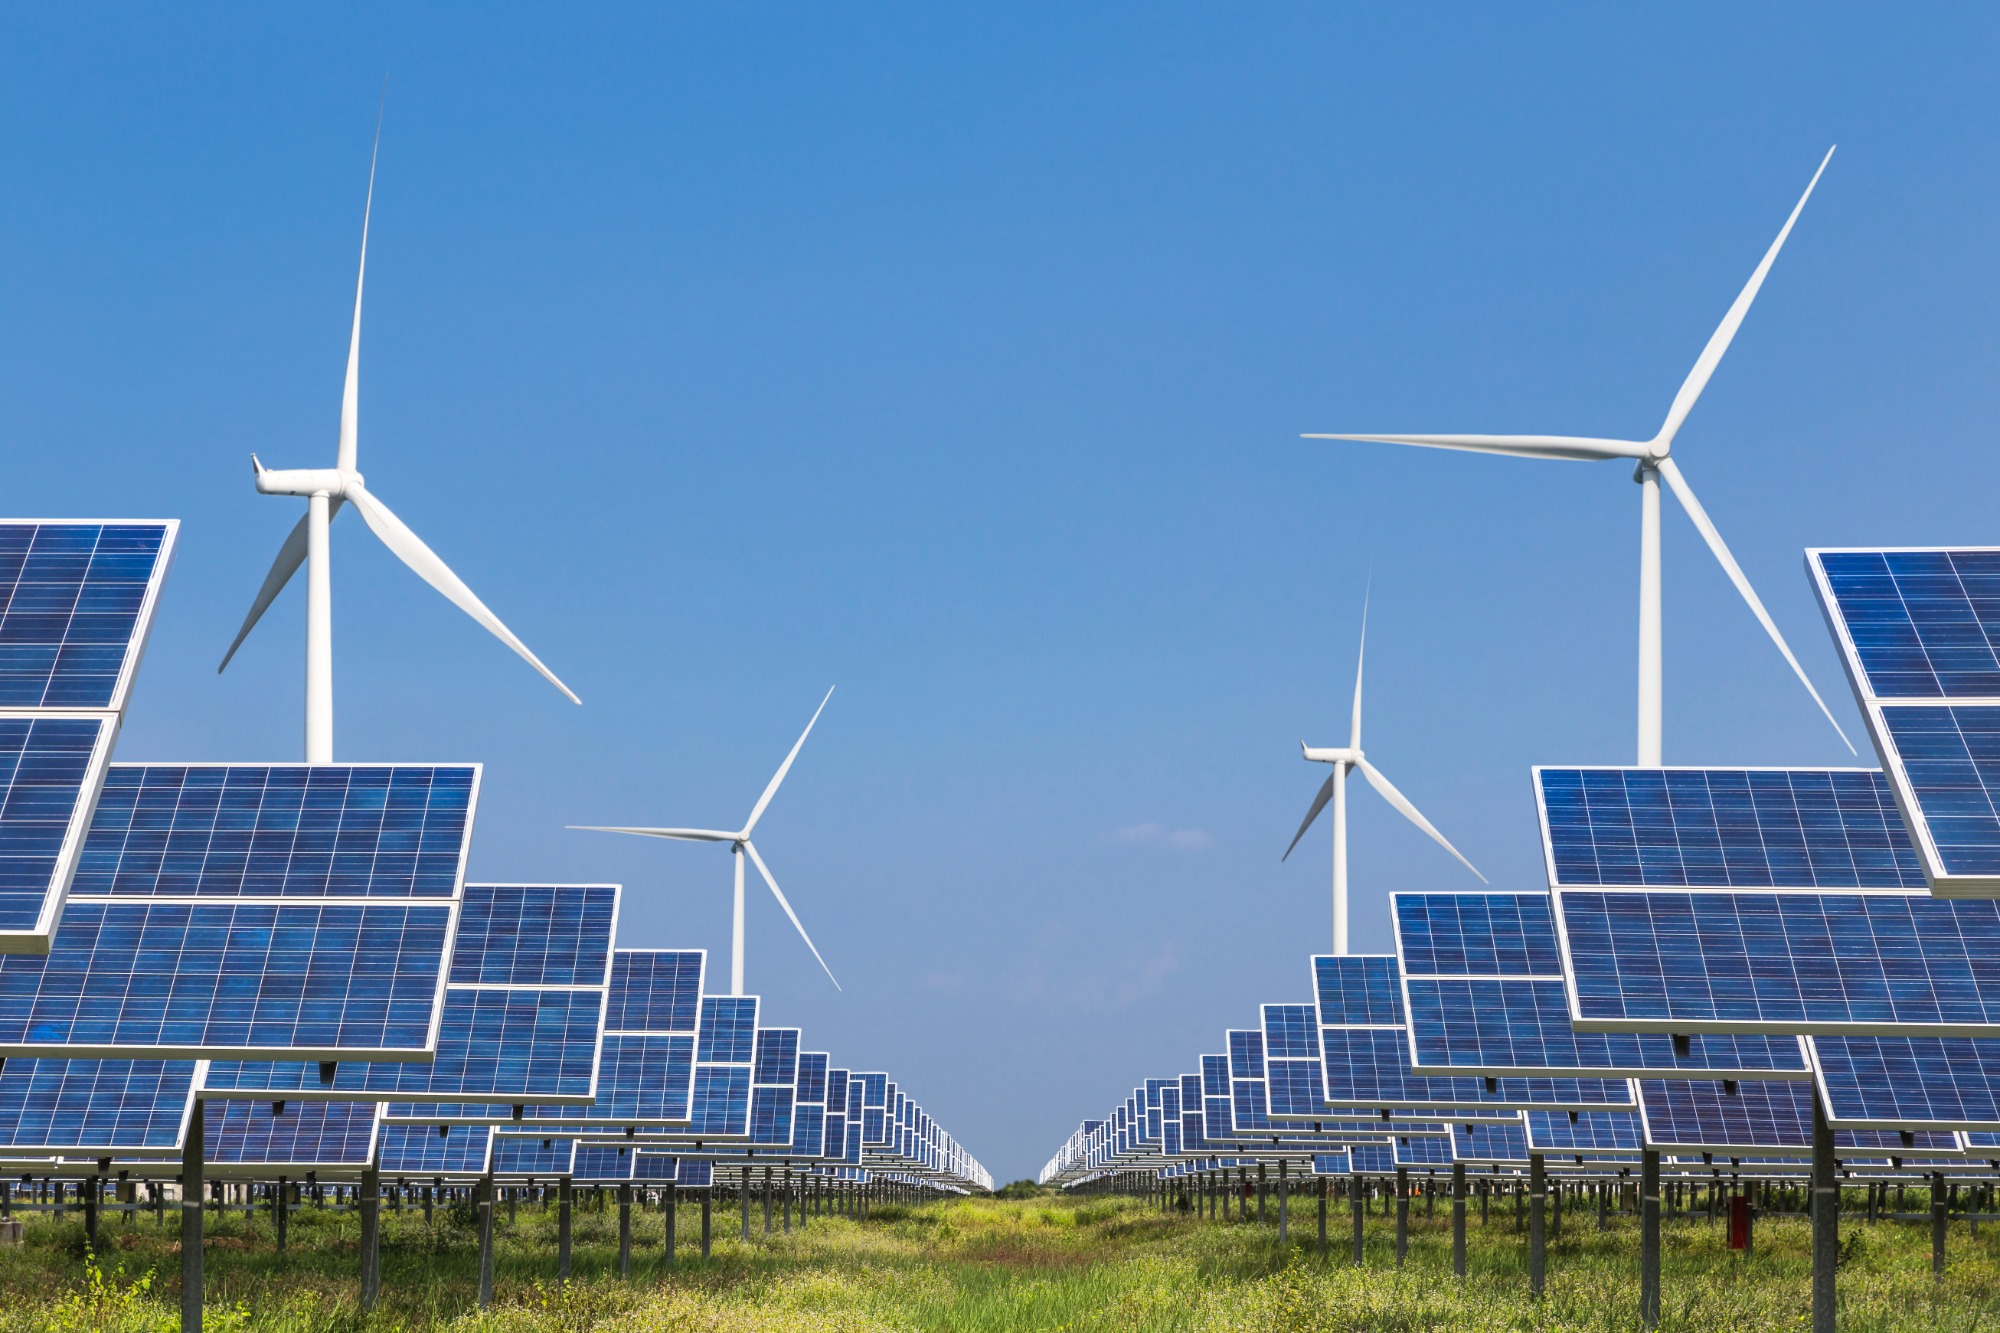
[(1784, 961), (1376, 1160), (1368, 1064), (603, 1164), (1482, 976), (279, 831), (774, 1083), (419, 1150), (1905, 1082), (51, 768), (162, 979), (523, 1012), (531, 1158), (1590, 1132), (655, 990), (1773, 1118), (311, 1136), (1422, 1150), (1487, 1144), (76, 602), (720, 1105), (95, 1108), (1813, 828), (1912, 628)]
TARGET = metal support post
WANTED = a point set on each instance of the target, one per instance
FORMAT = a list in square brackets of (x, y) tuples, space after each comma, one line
[(1937, 1224), (565, 1191), (1355, 1186), (371, 1234), (1649, 1238), (1538, 1193), (1458, 1218), (1284, 1199), (485, 1197), (767, 1201), (1322, 1217), (707, 1197), (1402, 1214), (1261, 1188), (673, 1207), (624, 1232), (1825, 1222), (191, 1205)]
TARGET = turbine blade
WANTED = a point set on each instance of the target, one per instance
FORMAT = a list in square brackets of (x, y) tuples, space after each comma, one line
[(1387, 790), (680, 834), (290, 556), (1685, 494), (757, 811), (779, 894), (350, 394), (1718, 342), (1573, 447), (1319, 804), (1360, 657), (410, 549)]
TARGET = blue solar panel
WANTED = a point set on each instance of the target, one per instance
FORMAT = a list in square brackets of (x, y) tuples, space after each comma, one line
[(76, 600), (1912, 630), (1846, 964), (1730, 827), (1466, 1019), (515, 1156), (1358, 990), (655, 990), (503, 1044), (808, 1129), (600, 1163), (641, 1080), (95, 1108), (777, 1056), (279, 831), (1769, 1117), (534, 935), (771, 1117), (1371, 1160), (1590, 1132), (1916, 624), (812, 1076), (308, 1135), (315, 981), (1903, 1082), (1421, 1150), (728, 1029), (721, 1101), (419, 1150), (1488, 1143), (50, 770)]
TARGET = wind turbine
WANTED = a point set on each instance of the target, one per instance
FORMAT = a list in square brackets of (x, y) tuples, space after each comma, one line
[(1343, 758), (325, 490), (740, 845), (1654, 464)]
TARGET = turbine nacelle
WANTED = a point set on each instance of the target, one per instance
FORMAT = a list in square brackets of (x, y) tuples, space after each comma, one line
[(1331, 754), (305, 481)]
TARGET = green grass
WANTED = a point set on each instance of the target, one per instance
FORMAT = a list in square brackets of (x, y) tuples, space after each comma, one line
[(1038, 1262)]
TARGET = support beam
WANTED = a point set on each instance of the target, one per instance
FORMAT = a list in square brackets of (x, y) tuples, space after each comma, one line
[(1355, 1189), (1937, 1223), (673, 1205), (371, 1234), (1322, 1217), (1649, 1238), (565, 1192), (1402, 1215), (485, 1193), (1458, 1218), (1825, 1222), (1284, 1199), (1538, 1195), (624, 1232)]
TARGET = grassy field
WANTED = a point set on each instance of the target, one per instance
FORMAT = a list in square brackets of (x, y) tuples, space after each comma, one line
[(1034, 1263)]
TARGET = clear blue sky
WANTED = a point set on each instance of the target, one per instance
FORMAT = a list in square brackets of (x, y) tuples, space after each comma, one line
[(958, 358)]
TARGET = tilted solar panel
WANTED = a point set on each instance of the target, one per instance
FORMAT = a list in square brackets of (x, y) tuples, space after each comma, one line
[(773, 1085), (655, 990), (51, 769), (1489, 1143), (1784, 961), (420, 1150), (1912, 627), (95, 1108), (523, 1012), (308, 1136), (1812, 828), (1772, 1118), (1590, 1132), (603, 1163), (1907, 1082), (1421, 1150), (1483, 983), (720, 1101), (76, 603), (532, 1158)]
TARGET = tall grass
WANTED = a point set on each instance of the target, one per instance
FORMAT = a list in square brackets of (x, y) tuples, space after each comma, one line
[(986, 1265)]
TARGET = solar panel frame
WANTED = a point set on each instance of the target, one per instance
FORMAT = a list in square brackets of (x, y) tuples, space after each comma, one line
[(420, 1150), (246, 1139), (1763, 1118), (96, 1108), (1941, 1083)]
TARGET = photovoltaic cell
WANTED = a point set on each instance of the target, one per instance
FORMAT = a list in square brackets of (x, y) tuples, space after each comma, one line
[(1730, 827), (1483, 985), (1904, 1082), (1912, 627), (50, 772), (76, 600), (94, 1108), (279, 831), (1891, 964)]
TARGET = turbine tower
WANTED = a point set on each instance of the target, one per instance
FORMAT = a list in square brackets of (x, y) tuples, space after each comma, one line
[(739, 846), (1654, 464), (1343, 758), (325, 490)]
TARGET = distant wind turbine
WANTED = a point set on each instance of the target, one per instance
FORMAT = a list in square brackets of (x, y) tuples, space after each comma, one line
[(1343, 758), (1653, 464), (325, 490), (740, 844)]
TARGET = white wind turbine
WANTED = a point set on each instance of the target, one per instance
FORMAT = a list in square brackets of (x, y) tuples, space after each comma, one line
[(1653, 464), (325, 490), (739, 845), (1343, 758)]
